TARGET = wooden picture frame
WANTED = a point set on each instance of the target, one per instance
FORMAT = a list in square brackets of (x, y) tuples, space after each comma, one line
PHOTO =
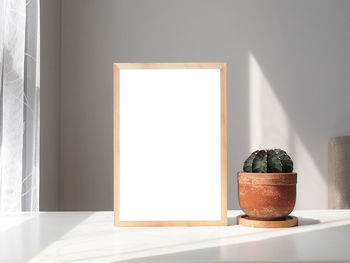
[(117, 67)]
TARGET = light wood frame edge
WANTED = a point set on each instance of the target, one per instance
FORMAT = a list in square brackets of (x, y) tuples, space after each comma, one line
[(116, 150), (116, 145)]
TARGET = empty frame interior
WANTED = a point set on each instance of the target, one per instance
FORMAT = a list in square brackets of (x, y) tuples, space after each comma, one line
[(170, 144)]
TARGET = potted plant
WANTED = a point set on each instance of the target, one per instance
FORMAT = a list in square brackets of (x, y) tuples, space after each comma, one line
[(267, 185)]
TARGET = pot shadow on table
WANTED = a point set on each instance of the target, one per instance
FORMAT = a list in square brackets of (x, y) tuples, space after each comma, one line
[(305, 221)]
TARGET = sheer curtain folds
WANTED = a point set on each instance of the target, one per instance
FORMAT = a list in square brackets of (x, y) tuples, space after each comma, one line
[(19, 105)]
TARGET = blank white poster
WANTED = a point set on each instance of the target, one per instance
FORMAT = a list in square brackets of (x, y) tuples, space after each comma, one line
[(170, 163)]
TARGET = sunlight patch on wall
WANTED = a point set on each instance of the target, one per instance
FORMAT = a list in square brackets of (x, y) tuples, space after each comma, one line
[(270, 127)]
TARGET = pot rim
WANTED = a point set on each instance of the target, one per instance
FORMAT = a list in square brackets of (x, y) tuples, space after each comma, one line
[(241, 172), (286, 179)]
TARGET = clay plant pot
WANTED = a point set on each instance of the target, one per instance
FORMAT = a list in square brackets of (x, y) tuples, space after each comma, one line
[(267, 196)]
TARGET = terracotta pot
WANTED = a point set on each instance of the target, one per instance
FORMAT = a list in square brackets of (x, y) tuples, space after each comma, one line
[(267, 196)]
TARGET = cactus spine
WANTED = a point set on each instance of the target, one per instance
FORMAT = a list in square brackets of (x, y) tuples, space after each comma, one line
[(268, 161)]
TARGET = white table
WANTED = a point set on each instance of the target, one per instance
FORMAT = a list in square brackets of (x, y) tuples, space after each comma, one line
[(323, 235)]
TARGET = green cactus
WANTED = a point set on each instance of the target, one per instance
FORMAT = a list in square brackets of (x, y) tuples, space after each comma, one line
[(268, 161)]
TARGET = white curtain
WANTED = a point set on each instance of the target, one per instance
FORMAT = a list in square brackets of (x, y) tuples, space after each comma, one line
[(19, 105)]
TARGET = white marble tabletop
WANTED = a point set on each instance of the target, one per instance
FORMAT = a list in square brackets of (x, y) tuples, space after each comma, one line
[(322, 235)]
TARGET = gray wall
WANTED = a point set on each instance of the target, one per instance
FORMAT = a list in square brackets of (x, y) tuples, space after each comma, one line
[(302, 48), (50, 15)]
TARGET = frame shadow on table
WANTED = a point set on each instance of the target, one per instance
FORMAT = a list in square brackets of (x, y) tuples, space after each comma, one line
[(34, 232)]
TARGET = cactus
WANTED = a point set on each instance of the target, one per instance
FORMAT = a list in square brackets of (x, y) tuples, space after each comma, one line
[(268, 161)]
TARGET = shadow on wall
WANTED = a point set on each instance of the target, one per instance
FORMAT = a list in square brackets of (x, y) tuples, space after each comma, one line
[(299, 86), (288, 82)]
